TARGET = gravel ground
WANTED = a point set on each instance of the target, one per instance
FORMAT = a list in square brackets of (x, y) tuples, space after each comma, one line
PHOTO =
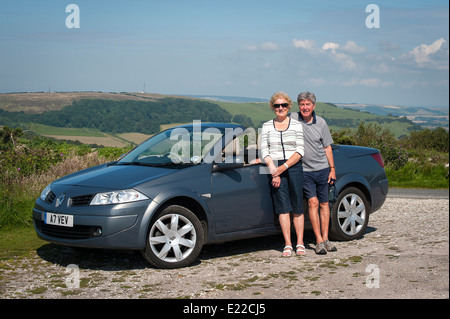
[(404, 254)]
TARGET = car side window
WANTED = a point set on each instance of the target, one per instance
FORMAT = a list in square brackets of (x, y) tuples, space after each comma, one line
[(238, 150), (232, 149)]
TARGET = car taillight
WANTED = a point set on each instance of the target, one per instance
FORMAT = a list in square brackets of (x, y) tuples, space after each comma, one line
[(379, 159)]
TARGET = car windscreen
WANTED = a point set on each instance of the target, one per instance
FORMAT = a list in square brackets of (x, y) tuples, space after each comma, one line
[(179, 146)]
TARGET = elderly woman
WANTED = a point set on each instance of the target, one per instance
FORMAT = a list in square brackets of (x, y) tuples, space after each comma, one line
[(282, 150)]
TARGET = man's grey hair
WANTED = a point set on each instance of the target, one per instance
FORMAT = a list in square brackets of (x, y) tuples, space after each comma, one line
[(306, 96)]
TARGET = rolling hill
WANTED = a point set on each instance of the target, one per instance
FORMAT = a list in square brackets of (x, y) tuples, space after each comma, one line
[(430, 117), (98, 116)]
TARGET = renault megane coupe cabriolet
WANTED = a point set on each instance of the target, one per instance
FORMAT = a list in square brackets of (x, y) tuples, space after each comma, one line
[(189, 186)]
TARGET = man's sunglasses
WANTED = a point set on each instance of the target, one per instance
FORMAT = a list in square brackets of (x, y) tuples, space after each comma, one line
[(280, 105)]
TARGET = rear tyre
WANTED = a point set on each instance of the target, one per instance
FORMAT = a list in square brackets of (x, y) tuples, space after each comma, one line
[(349, 215), (175, 238)]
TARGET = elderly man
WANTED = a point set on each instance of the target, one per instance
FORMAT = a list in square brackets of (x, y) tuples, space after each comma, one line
[(318, 168)]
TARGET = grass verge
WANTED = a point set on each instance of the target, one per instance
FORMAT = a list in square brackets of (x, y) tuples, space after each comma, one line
[(424, 176), (18, 241)]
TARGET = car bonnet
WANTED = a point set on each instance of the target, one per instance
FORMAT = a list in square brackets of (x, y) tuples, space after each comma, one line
[(114, 176)]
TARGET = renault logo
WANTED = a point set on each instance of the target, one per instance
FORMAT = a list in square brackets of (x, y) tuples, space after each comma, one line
[(60, 200)]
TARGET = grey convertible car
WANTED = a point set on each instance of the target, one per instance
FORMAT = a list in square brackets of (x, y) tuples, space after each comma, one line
[(193, 185)]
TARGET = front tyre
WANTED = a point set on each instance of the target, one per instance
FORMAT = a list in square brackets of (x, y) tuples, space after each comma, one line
[(175, 238), (349, 215)]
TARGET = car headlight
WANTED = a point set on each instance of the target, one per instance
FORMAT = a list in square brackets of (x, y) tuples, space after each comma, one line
[(118, 197), (45, 192)]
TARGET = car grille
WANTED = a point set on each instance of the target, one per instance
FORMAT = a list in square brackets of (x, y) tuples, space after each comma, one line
[(50, 197), (83, 200), (75, 232)]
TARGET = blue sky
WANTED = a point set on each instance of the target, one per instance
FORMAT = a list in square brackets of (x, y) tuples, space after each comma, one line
[(249, 48)]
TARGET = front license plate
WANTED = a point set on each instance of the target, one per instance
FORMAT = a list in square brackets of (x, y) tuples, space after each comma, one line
[(59, 219)]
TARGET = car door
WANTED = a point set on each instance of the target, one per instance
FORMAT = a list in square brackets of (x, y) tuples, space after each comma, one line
[(241, 199)]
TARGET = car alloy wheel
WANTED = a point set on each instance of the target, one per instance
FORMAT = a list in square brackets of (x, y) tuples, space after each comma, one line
[(175, 238), (349, 215)]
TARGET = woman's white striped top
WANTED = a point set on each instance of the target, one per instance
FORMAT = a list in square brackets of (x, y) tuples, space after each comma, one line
[(281, 145)]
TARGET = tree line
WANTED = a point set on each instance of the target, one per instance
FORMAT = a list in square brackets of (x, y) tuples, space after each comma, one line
[(121, 116)]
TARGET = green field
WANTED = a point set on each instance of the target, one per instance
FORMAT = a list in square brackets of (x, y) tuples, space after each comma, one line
[(258, 112), (261, 112), (65, 131), (32, 103)]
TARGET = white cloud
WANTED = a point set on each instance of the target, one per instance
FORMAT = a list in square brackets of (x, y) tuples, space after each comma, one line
[(432, 56), (269, 46), (345, 61), (352, 48), (337, 53), (371, 82), (368, 82), (351, 82), (304, 44), (423, 52), (342, 55), (380, 68), (414, 83), (330, 46)]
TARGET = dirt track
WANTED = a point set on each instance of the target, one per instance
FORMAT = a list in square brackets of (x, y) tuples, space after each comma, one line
[(404, 254)]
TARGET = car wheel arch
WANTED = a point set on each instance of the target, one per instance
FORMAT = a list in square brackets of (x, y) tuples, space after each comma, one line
[(359, 186), (175, 237), (351, 214), (354, 180), (191, 204)]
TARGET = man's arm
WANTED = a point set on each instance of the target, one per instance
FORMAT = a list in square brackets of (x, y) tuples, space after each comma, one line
[(329, 155)]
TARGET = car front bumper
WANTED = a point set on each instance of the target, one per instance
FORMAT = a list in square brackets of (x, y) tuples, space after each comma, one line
[(110, 226)]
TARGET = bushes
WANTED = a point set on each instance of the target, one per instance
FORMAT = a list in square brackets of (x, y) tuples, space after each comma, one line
[(27, 166), (25, 161), (427, 139), (417, 160), (394, 156), (18, 192), (372, 135), (23, 157)]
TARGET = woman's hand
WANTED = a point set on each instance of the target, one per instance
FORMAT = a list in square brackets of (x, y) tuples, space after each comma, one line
[(278, 171), (273, 170), (276, 181)]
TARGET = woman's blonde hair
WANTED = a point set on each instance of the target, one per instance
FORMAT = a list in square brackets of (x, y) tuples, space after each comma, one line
[(280, 95)]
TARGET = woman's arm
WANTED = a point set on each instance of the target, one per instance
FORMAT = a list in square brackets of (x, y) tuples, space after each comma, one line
[(291, 161), (299, 151)]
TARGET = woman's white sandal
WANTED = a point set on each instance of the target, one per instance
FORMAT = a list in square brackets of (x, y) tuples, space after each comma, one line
[(300, 250), (287, 250)]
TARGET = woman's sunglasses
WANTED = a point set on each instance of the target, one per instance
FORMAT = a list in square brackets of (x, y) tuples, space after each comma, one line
[(280, 105)]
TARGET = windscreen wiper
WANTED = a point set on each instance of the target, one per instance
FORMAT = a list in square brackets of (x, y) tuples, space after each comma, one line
[(134, 163), (152, 164)]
